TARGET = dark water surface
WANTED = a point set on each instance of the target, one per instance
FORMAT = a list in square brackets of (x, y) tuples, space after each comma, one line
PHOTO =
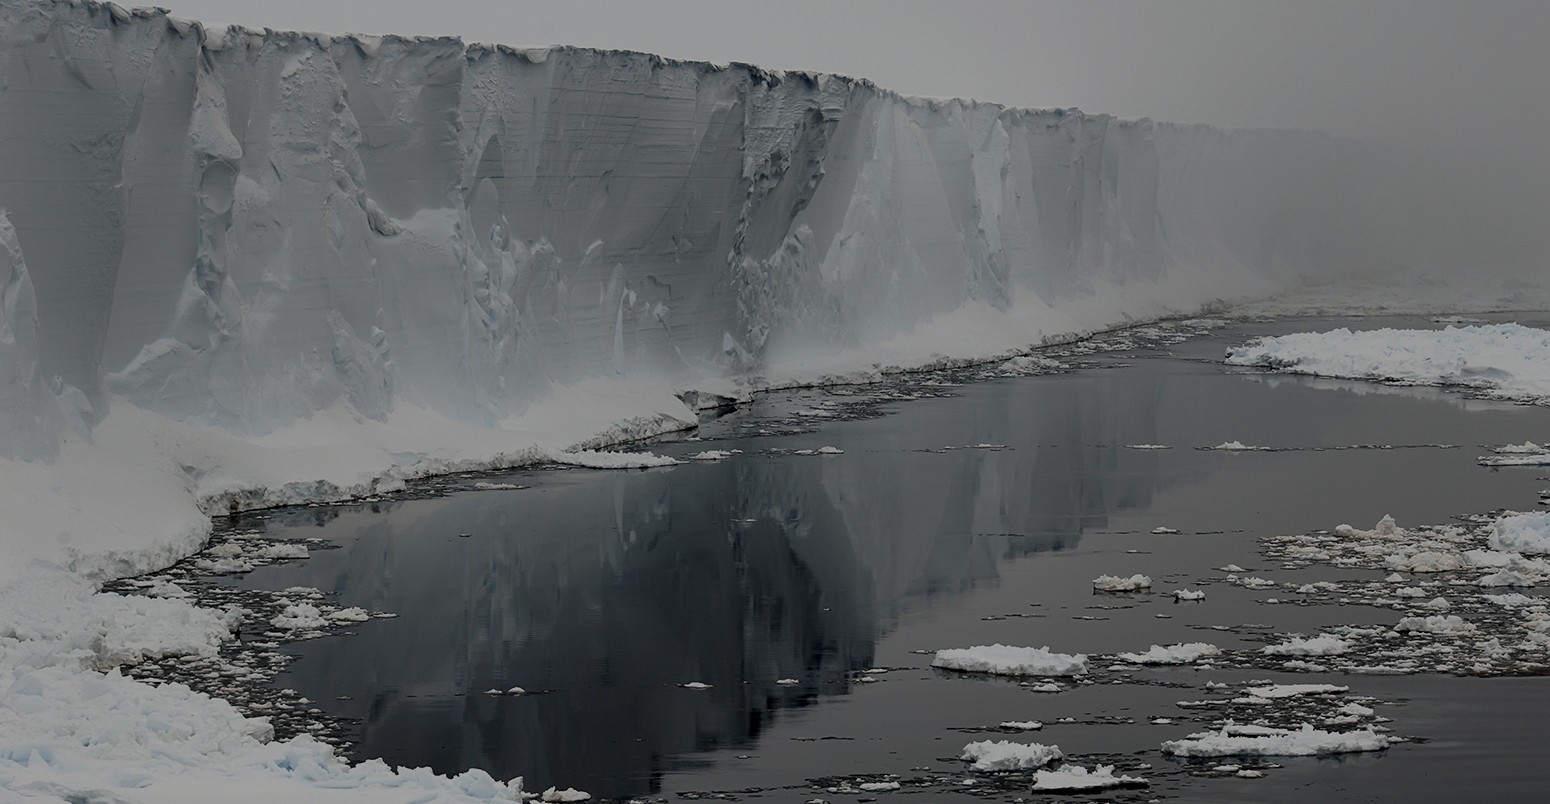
[(601, 592)]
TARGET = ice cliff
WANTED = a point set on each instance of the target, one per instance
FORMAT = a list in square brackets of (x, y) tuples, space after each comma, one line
[(223, 238)]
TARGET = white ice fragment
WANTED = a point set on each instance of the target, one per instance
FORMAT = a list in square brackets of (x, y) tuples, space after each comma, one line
[(1528, 534), (1385, 529), (287, 550), (598, 459), (830, 451), (695, 685), (1233, 740), (1075, 778), (553, 795), (1004, 755), (1274, 691), (1436, 624), (1164, 531), (1114, 583), (1507, 360), (295, 616), (1232, 568), (1008, 660), (166, 589), (1509, 577), (1147, 446), (1426, 561), (787, 682), (877, 787), (1189, 594), (712, 455), (1237, 446), (1183, 653), (352, 614), (1022, 725), (1321, 645)]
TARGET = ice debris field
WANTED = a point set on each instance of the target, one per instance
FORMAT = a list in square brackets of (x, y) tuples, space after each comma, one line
[(275, 268)]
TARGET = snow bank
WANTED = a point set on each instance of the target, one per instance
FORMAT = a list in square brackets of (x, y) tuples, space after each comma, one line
[(72, 726), (1508, 361), (1007, 660), (1264, 741), (1005, 755)]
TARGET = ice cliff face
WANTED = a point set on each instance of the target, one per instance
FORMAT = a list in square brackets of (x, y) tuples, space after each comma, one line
[(240, 228)]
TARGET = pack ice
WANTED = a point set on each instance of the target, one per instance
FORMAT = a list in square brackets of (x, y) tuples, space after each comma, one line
[(241, 268)]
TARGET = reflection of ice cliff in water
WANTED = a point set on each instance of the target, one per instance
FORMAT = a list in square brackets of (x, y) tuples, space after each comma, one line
[(610, 589)]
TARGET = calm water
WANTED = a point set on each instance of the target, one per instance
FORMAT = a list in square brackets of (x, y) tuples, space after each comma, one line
[(604, 591)]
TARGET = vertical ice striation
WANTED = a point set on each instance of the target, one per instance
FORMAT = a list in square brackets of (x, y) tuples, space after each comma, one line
[(30, 420), (242, 228)]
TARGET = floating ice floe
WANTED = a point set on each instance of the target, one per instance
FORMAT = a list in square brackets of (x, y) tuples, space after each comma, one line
[(487, 486), (1265, 741), (1189, 594), (1164, 531), (1114, 583), (1147, 446), (1503, 361), (1526, 454), (352, 614), (877, 787), (1183, 653), (1029, 364), (1022, 725), (569, 794), (1075, 778), (297, 616), (787, 682), (1436, 624), (1386, 528), (1528, 534), (712, 455), (695, 685), (1236, 446), (599, 459), (1272, 691), (1321, 645), (1005, 755), (1008, 660)]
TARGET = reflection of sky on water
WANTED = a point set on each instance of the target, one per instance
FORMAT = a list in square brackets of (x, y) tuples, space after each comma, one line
[(610, 589)]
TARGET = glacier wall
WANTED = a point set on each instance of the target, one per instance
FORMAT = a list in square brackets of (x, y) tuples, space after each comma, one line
[(241, 228)]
